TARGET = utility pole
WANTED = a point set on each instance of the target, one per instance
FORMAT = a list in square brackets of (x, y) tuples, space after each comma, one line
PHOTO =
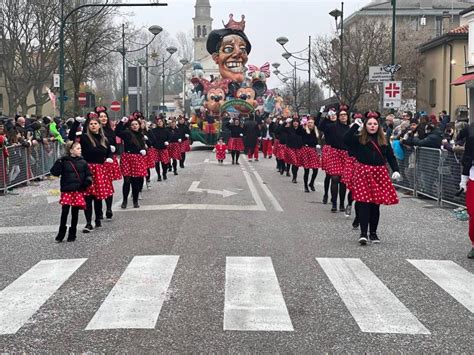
[(394, 14)]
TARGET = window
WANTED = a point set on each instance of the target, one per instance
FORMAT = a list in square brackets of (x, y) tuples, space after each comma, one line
[(204, 31), (439, 26), (432, 93), (199, 31)]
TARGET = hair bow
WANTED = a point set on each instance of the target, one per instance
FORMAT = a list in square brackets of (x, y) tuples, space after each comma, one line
[(265, 69)]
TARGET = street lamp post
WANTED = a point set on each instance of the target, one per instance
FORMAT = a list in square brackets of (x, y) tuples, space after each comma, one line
[(287, 55), (184, 62), (61, 39), (394, 14), (336, 13), (286, 78), (171, 51)]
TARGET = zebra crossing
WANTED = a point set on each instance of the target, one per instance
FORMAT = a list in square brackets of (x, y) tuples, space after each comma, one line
[(253, 300)]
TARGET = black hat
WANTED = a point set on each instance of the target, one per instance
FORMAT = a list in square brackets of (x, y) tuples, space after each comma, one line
[(216, 36)]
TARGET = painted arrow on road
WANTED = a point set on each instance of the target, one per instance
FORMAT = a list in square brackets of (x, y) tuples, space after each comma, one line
[(224, 193)]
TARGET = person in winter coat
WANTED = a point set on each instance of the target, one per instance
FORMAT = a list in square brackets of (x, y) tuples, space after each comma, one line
[(185, 146), (235, 143), (251, 135), (432, 139), (75, 178), (159, 141)]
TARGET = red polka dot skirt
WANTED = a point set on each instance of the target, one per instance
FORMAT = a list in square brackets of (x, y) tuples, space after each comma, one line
[(276, 148), (134, 165), (348, 173), (236, 144), (293, 156), (310, 158), (335, 159), (174, 150), (372, 184), (113, 169), (150, 157), (185, 146), (74, 199), (101, 187), (163, 156)]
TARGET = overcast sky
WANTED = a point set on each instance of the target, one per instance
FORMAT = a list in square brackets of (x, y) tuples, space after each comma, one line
[(265, 21)]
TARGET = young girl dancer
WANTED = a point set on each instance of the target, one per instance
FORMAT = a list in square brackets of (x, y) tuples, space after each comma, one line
[(371, 184), (236, 142), (220, 149), (174, 148), (185, 132), (294, 144), (75, 178), (310, 158)]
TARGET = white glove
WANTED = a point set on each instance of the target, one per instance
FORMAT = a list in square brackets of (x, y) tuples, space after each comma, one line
[(226, 151), (274, 120), (214, 150), (241, 134), (179, 140), (124, 119), (112, 148), (186, 135), (167, 143), (288, 120), (318, 146), (322, 109), (231, 121), (463, 183), (143, 152), (281, 122), (396, 176), (145, 137), (259, 138), (109, 160), (80, 119), (359, 122)]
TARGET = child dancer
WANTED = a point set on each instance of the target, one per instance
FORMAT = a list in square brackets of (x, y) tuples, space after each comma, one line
[(75, 178), (220, 149)]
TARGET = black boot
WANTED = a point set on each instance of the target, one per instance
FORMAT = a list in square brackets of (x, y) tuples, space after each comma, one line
[(306, 187), (135, 204), (72, 234), (124, 204), (311, 186), (108, 214), (159, 177), (61, 233)]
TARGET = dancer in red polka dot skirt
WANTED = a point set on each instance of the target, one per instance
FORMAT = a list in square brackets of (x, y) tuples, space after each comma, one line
[(371, 183), (294, 144), (159, 140), (280, 155), (133, 161), (174, 148), (75, 178), (220, 149), (183, 126), (311, 160), (96, 152), (235, 142)]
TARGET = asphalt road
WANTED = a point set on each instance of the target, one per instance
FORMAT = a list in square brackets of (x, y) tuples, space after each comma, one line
[(254, 265)]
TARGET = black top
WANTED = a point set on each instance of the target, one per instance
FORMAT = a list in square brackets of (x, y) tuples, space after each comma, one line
[(110, 135), (174, 134), (281, 133), (334, 132), (310, 140), (270, 129), (368, 154), (158, 136), (295, 137), (133, 141), (184, 129), (468, 155), (91, 154), (235, 131), (74, 172)]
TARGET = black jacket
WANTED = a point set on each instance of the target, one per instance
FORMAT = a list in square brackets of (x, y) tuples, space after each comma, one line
[(468, 155), (133, 141), (334, 132), (158, 136), (432, 140), (74, 172), (251, 134), (91, 154), (174, 134), (270, 129), (310, 140), (281, 133), (235, 131), (110, 135), (368, 154), (184, 129), (295, 137)]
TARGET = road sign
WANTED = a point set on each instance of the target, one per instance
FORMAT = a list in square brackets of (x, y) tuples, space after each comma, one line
[(378, 75), (392, 94), (56, 80), (82, 98), (115, 106)]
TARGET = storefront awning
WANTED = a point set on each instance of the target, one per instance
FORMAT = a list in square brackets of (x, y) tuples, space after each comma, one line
[(463, 79)]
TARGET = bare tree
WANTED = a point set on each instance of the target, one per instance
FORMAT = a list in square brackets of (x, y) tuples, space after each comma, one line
[(298, 95)]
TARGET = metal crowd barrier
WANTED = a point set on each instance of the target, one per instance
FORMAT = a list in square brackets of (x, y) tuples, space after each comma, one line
[(22, 165), (434, 173)]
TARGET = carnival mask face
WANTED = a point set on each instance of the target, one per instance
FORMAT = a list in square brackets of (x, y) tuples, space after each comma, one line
[(215, 98), (231, 58), (247, 94)]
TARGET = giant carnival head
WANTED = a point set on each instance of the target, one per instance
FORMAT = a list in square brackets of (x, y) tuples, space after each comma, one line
[(230, 48)]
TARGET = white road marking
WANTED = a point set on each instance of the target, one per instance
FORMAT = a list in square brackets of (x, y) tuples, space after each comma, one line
[(224, 193), (206, 160), (253, 190), (52, 199), (23, 297), (269, 194), (135, 301), (28, 229), (374, 307), (194, 206), (253, 299), (451, 277)]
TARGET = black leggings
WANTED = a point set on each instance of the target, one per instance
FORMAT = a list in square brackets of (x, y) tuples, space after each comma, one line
[(235, 154), (74, 216), (313, 176), (369, 215), (97, 209), (294, 171), (337, 185), (175, 165), (148, 174), (327, 182), (136, 183), (108, 202), (183, 158), (163, 166)]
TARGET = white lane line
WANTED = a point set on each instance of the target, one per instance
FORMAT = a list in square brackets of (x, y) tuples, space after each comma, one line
[(136, 299), (374, 307), (23, 297), (451, 277), (253, 299), (28, 229), (269, 194), (253, 190), (194, 207)]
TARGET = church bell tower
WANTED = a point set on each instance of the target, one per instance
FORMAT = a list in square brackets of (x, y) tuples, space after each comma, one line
[(202, 26)]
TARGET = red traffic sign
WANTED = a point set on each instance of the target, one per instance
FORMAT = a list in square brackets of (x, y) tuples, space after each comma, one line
[(115, 106), (82, 98)]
